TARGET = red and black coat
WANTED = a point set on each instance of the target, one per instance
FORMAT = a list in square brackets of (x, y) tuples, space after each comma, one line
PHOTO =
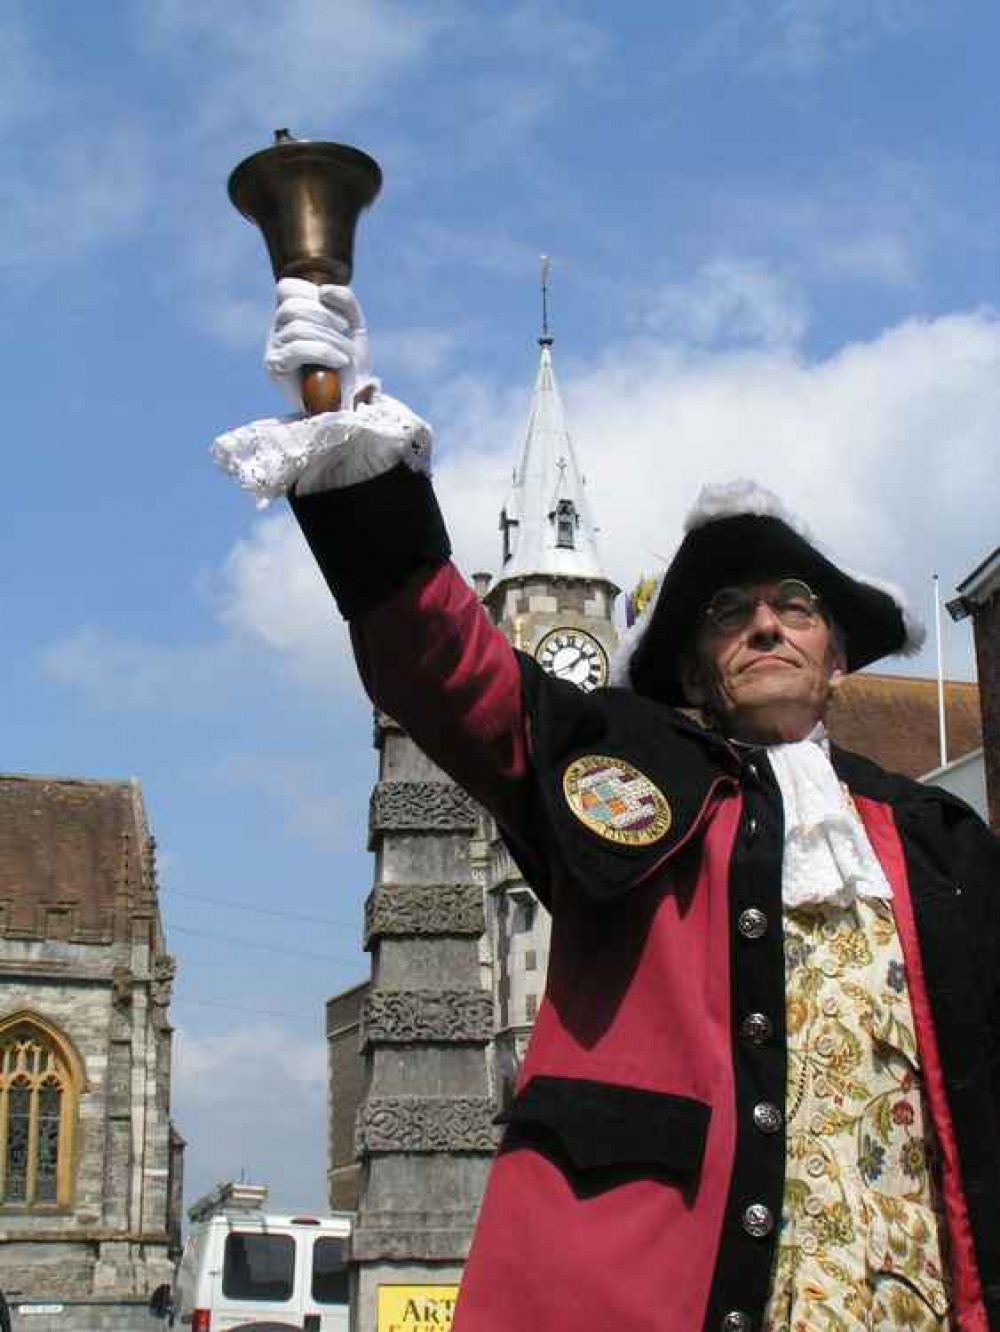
[(631, 1153)]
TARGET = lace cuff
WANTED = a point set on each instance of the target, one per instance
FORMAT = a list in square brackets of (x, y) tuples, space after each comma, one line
[(327, 452)]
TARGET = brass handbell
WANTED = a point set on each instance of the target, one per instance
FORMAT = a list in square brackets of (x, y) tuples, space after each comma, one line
[(306, 198)]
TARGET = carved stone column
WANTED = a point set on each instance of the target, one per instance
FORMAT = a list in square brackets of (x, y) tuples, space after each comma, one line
[(424, 1134)]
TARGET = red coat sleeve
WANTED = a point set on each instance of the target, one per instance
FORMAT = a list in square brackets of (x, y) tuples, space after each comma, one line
[(427, 652), (431, 659)]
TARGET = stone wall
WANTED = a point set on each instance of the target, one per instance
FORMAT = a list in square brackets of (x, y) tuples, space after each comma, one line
[(346, 1087), (987, 633)]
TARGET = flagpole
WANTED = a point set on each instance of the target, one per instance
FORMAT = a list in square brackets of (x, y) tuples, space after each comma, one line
[(942, 731)]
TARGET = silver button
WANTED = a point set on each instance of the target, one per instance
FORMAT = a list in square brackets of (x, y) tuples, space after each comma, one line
[(767, 1117), (736, 1321), (757, 1220), (756, 1028), (752, 770), (752, 923), (751, 828)]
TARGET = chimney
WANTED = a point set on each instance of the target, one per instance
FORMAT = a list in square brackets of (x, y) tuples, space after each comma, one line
[(979, 596), (481, 584)]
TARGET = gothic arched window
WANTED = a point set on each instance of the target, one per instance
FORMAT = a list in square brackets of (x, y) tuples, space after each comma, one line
[(39, 1088)]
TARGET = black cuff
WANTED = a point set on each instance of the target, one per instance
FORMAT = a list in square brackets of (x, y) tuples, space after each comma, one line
[(368, 539)]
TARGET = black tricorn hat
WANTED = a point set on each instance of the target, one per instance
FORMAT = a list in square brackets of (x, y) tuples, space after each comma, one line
[(739, 533)]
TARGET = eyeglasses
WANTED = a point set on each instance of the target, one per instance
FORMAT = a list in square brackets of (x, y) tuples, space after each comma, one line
[(794, 603)]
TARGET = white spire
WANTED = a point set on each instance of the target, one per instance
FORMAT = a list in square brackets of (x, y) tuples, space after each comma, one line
[(546, 523)]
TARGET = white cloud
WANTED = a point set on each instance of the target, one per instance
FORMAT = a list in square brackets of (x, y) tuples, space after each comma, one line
[(234, 1061), (880, 440), (729, 301), (253, 1100), (72, 182), (801, 36), (417, 350), (27, 90), (300, 63), (270, 590), (433, 246), (115, 672), (267, 592), (541, 28), (307, 794), (798, 38), (887, 448), (876, 220)]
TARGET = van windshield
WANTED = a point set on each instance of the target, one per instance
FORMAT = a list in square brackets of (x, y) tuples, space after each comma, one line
[(258, 1267)]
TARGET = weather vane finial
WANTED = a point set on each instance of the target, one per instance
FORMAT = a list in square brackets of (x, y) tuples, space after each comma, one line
[(545, 340)]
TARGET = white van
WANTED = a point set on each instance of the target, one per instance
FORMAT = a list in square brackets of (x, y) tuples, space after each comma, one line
[(244, 1268)]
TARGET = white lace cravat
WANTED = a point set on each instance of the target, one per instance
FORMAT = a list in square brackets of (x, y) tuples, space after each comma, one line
[(828, 858)]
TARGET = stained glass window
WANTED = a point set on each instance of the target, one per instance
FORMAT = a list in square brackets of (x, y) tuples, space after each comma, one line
[(47, 1152), (35, 1081), (18, 1122)]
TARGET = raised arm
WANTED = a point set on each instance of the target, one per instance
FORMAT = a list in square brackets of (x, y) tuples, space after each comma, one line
[(358, 483), (426, 651)]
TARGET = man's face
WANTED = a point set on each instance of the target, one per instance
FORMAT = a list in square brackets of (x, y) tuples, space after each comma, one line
[(769, 679)]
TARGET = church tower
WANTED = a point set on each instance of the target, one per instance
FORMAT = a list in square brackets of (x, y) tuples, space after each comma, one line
[(552, 598)]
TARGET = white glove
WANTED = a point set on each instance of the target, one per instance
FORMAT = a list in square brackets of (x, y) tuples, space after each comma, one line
[(318, 326)]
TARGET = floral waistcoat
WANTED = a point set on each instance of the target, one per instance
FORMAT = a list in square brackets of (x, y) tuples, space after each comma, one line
[(859, 1245)]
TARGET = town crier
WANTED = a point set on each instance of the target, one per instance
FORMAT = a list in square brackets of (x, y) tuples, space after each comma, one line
[(763, 1087)]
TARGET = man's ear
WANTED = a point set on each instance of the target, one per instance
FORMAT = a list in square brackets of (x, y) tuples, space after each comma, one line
[(838, 674), (691, 679)]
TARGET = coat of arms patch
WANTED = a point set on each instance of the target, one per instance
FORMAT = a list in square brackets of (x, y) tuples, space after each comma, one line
[(616, 801)]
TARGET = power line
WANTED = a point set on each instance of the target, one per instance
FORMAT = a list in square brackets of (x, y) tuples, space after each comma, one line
[(253, 943), (243, 1008), (262, 911)]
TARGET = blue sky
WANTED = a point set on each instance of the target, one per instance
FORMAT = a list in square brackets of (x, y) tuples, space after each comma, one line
[(774, 230)]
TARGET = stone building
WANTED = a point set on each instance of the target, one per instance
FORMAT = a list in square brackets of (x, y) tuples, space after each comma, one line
[(979, 597), (90, 1163), (346, 1077)]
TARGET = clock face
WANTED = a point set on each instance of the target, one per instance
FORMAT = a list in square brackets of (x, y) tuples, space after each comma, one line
[(573, 655)]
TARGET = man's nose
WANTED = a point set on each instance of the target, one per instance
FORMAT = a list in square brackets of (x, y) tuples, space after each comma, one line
[(764, 625)]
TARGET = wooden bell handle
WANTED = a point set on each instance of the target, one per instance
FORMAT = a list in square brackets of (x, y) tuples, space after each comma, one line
[(320, 390)]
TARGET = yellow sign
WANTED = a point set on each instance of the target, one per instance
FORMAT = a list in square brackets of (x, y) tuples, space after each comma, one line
[(416, 1308)]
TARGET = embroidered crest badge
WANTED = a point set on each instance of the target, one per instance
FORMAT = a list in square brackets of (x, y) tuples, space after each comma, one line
[(616, 801)]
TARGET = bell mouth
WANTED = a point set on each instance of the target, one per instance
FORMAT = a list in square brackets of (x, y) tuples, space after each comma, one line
[(306, 196)]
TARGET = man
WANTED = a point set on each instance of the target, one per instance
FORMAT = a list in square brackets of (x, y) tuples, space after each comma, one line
[(762, 1090)]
